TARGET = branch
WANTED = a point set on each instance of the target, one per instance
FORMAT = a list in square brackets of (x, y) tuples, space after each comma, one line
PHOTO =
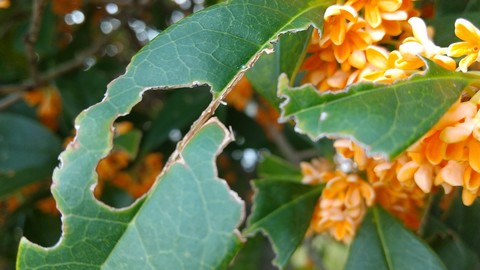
[(283, 145), (10, 99), (15, 91), (56, 71), (31, 39)]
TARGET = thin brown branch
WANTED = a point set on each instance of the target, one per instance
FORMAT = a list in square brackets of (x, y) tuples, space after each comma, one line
[(59, 70), (31, 39), (283, 145), (10, 99), (74, 63)]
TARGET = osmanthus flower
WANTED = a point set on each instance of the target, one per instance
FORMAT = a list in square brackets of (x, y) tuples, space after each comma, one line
[(405, 203), (49, 105), (4, 3), (375, 11), (469, 47), (336, 19), (383, 66), (342, 204), (344, 32), (320, 65), (421, 44)]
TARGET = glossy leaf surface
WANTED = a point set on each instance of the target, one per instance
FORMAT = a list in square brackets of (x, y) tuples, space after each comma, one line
[(383, 243), (386, 119), (215, 47), (282, 210)]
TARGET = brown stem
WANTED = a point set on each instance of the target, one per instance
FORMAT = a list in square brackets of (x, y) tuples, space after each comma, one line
[(10, 99), (283, 145), (49, 75), (31, 39)]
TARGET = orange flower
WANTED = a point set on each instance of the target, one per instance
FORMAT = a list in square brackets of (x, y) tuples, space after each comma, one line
[(353, 45), (421, 44), (240, 95), (384, 69), (49, 105), (336, 18), (378, 10), (343, 202), (406, 204), (470, 45), (316, 171), (4, 3)]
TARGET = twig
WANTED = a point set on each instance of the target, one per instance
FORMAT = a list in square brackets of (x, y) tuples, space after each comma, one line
[(15, 91), (283, 145), (31, 39), (425, 216), (74, 63), (10, 99)]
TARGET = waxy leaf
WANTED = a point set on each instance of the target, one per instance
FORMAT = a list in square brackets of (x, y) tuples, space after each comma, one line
[(28, 152), (287, 58), (273, 167), (386, 119), (215, 47), (188, 220), (282, 210), (383, 243)]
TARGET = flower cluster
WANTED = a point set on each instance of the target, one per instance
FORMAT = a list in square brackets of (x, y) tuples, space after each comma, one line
[(114, 169), (352, 48)]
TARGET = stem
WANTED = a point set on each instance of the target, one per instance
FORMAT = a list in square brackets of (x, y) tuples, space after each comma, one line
[(31, 39), (426, 214), (283, 145)]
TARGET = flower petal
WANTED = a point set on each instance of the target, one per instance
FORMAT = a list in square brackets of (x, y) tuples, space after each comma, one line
[(458, 49), (407, 171), (389, 5), (424, 177), (467, 61), (474, 154), (453, 172), (465, 30), (435, 149), (372, 15), (468, 197)]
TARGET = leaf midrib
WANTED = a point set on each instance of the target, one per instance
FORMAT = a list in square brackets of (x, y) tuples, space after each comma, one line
[(255, 226)]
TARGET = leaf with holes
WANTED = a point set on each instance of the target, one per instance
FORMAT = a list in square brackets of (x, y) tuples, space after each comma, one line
[(282, 210), (386, 119), (188, 219)]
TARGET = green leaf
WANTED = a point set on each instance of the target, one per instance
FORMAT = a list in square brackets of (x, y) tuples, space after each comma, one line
[(464, 221), (386, 119), (128, 142), (25, 143), (287, 57), (282, 210), (187, 221), (214, 46), (277, 168), (253, 255), (450, 247), (383, 243), (28, 152)]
